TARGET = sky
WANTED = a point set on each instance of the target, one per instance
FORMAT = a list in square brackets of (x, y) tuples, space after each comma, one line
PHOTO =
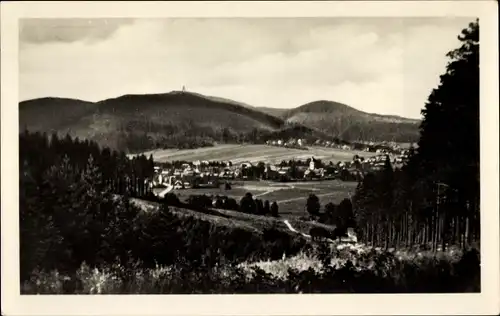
[(377, 65)]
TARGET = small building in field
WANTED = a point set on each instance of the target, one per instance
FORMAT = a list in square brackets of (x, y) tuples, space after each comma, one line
[(312, 164), (246, 164)]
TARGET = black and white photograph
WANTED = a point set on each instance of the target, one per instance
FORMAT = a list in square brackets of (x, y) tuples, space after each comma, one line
[(204, 154)]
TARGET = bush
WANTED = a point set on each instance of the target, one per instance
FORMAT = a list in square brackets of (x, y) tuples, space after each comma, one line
[(199, 202), (259, 207), (356, 275), (312, 205), (274, 209), (267, 208), (231, 204), (247, 204), (172, 199)]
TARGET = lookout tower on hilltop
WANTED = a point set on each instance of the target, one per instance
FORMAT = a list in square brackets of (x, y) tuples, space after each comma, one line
[(183, 88)]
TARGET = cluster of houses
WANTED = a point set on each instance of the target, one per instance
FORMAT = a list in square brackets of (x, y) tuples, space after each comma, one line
[(196, 174), (391, 148), (377, 162), (203, 174), (303, 143), (330, 144), (298, 143), (313, 171)]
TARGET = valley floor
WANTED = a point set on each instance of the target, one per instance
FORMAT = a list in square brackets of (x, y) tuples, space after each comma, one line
[(254, 153), (291, 196)]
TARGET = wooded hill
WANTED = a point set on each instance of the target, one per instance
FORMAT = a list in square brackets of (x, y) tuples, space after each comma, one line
[(135, 123), (347, 123)]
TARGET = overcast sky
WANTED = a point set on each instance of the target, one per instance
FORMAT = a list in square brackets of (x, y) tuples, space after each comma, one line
[(386, 66)]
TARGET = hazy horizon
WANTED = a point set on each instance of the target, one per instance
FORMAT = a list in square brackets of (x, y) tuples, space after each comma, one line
[(376, 65)]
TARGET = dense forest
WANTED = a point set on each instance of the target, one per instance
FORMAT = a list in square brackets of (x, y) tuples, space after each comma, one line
[(435, 197), (39, 152), (193, 136)]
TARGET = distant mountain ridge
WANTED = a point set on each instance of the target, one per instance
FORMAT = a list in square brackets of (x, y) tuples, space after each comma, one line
[(324, 106), (176, 119), (340, 120)]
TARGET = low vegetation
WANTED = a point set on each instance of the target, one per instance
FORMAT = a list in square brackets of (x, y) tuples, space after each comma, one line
[(307, 272)]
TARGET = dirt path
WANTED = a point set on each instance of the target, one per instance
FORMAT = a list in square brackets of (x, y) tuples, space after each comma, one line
[(290, 227), (268, 191), (281, 187), (304, 197)]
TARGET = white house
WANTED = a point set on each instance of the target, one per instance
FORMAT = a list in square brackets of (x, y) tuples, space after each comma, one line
[(312, 164), (246, 164)]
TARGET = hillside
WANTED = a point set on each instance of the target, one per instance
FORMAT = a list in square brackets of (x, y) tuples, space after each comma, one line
[(53, 114), (278, 112), (235, 219), (136, 123), (339, 120), (141, 122)]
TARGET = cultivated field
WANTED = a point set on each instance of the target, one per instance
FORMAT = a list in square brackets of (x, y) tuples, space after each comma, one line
[(254, 154), (291, 197)]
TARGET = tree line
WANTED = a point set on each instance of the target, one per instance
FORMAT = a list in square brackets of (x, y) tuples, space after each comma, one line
[(38, 152), (139, 136), (203, 203), (341, 215), (434, 198)]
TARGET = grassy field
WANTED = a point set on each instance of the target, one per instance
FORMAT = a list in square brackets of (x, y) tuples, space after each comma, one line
[(235, 219), (254, 153), (291, 197)]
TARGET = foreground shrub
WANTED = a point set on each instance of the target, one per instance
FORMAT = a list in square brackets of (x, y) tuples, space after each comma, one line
[(391, 274)]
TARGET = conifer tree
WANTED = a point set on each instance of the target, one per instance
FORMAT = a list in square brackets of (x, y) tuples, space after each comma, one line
[(274, 209), (312, 205), (448, 152)]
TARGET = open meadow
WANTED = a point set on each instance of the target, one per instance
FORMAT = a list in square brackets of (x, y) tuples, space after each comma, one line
[(254, 154), (291, 196)]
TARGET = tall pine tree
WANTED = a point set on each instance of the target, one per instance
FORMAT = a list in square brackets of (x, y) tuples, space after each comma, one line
[(448, 152)]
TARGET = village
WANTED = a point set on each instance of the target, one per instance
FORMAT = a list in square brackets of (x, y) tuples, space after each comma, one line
[(385, 147), (213, 174)]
